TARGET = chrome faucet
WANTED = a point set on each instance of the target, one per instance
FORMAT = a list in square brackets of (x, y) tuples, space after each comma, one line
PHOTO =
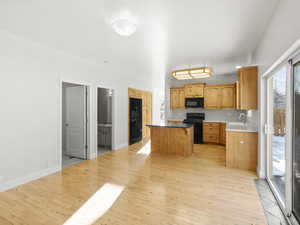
[(243, 117)]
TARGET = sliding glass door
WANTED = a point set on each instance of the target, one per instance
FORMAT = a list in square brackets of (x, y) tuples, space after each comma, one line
[(296, 143), (283, 136), (277, 102)]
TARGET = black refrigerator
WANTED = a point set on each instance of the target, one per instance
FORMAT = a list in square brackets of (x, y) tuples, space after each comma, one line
[(136, 120)]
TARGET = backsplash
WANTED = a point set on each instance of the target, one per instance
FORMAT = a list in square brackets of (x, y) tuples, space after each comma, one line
[(210, 115), (216, 115)]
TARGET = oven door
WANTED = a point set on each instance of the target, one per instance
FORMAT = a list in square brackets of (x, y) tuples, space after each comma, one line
[(194, 102)]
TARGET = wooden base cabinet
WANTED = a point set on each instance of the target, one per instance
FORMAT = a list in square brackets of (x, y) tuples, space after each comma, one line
[(223, 133), (214, 132), (172, 140), (211, 132), (241, 150)]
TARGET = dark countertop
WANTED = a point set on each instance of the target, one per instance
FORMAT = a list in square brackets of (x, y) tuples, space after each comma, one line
[(171, 125)]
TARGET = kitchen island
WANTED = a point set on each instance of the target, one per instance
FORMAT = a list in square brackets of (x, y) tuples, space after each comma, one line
[(172, 139)]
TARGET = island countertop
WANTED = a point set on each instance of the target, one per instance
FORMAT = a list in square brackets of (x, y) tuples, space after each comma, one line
[(170, 125)]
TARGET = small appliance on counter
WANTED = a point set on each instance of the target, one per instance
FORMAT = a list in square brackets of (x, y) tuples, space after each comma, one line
[(197, 120), (194, 102)]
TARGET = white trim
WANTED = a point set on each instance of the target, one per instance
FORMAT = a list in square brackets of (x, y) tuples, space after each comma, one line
[(119, 147), (260, 173), (283, 203), (89, 105), (289, 140), (295, 60), (28, 178), (262, 144), (285, 56)]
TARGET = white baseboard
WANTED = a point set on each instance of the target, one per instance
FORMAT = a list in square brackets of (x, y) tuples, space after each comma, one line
[(260, 173), (22, 180), (118, 147)]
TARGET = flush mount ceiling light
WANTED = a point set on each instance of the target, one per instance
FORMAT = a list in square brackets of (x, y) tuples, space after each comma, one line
[(193, 73), (124, 26)]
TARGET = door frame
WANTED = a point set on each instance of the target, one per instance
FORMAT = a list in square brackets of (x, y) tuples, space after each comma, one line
[(293, 61), (291, 54), (88, 116), (285, 204), (113, 118)]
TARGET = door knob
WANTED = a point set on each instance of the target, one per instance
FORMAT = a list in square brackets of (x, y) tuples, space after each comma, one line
[(242, 142)]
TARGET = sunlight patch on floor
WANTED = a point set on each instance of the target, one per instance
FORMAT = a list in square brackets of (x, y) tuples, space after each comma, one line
[(146, 150), (96, 206)]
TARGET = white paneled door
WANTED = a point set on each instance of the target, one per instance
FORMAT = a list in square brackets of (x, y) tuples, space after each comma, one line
[(75, 98)]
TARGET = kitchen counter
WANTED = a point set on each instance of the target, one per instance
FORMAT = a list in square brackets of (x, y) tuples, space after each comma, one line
[(241, 127), (172, 139), (171, 125), (215, 121)]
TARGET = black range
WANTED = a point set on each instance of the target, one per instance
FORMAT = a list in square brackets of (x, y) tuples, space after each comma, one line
[(196, 119)]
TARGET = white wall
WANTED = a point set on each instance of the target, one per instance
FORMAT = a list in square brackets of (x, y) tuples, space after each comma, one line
[(30, 103), (282, 32)]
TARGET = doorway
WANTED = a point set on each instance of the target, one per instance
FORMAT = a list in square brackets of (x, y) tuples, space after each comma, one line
[(282, 130), (104, 120), (74, 123)]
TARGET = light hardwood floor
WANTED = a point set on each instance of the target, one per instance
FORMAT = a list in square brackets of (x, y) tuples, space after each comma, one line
[(127, 187)]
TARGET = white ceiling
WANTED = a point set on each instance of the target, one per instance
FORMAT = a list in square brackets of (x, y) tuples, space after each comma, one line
[(171, 33)]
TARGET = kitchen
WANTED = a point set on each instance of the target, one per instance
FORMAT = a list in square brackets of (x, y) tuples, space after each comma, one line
[(222, 109)]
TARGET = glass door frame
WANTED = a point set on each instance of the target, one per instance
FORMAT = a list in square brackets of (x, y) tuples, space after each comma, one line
[(293, 62), (285, 204)]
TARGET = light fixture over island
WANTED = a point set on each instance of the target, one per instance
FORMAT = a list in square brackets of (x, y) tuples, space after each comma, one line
[(172, 139), (192, 73)]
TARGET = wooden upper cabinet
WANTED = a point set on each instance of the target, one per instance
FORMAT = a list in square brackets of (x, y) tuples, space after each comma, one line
[(247, 88), (195, 90), (220, 96), (212, 97), (228, 99), (181, 98), (177, 97)]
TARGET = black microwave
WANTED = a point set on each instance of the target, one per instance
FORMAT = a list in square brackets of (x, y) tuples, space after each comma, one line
[(194, 102)]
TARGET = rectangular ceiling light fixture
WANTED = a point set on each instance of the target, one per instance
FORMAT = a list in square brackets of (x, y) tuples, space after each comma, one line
[(193, 73)]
